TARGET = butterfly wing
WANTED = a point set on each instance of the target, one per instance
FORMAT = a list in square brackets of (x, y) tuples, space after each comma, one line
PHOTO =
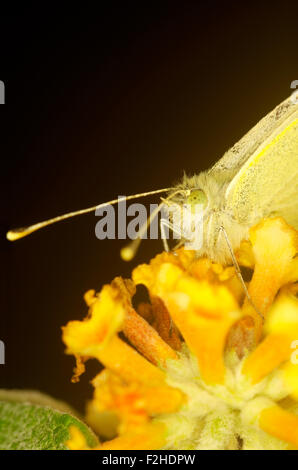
[(234, 159), (267, 182)]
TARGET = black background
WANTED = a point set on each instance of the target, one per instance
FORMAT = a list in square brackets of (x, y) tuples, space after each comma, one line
[(112, 103)]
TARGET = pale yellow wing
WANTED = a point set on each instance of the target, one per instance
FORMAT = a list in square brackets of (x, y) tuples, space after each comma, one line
[(233, 160), (267, 183)]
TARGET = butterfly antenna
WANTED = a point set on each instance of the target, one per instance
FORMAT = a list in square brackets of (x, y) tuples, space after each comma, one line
[(15, 234)]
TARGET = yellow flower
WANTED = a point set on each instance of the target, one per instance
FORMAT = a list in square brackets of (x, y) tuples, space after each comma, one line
[(196, 368)]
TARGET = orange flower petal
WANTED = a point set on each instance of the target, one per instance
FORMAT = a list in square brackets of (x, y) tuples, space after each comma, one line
[(280, 423), (105, 318), (203, 313), (122, 359), (274, 246), (149, 437), (274, 350), (282, 329), (290, 371), (134, 403)]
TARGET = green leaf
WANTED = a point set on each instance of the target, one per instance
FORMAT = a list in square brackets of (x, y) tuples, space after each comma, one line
[(31, 426)]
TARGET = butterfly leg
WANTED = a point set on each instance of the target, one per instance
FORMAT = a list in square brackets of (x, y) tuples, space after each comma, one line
[(178, 245), (238, 272), (164, 223)]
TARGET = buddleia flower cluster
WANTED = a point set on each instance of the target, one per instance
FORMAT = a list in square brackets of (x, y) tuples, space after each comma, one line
[(196, 366)]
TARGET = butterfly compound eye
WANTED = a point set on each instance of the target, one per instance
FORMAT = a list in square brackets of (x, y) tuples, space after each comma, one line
[(197, 196)]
